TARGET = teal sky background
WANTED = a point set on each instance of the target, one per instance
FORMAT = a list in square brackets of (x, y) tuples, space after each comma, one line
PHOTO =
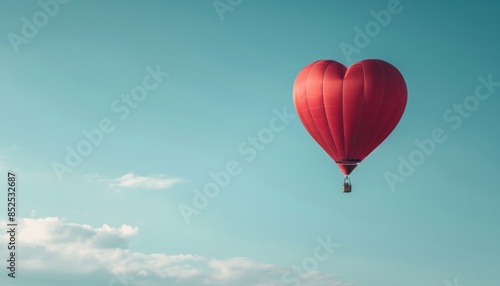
[(225, 80)]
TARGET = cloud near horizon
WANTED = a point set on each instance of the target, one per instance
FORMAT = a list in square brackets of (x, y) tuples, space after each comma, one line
[(52, 247)]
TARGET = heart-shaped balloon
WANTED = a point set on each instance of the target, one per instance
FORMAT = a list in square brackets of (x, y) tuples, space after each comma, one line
[(349, 111)]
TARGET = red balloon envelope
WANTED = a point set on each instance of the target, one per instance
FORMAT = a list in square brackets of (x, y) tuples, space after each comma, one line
[(349, 111)]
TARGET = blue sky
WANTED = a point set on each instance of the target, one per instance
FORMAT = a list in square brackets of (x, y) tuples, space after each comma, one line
[(209, 78)]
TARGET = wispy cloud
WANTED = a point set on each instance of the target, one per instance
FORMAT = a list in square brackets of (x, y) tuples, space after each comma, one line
[(11, 147), (94, 178), (132, 180), (449, 283), (79, 251)]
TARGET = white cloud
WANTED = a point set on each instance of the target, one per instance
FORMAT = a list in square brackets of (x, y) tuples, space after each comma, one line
[(12, 147), (131, 180), (153, 182), (93, 178), (79, 251), (238, 267)]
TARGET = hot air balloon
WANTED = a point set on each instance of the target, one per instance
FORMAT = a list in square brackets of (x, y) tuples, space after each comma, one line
[(349, 111)]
